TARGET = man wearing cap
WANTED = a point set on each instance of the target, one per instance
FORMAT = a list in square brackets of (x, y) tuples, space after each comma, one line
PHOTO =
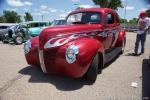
[(143, 27)]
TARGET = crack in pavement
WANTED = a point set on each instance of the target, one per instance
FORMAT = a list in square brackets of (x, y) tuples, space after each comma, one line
[(10, 83)]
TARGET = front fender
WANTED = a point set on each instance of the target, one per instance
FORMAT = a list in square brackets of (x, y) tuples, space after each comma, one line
[(88, 48), (33, 56)]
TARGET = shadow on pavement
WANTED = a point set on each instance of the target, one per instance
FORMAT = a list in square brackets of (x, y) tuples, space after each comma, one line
[(61, 82), (145, 80)]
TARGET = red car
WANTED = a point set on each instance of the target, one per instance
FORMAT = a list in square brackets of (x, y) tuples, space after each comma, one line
[(90, 38)]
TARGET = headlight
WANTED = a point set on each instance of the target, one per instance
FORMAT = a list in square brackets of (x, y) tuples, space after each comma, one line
[(27, 47), (71, 53)]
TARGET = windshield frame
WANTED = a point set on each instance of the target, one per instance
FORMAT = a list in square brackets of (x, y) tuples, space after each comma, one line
[(100, 15)]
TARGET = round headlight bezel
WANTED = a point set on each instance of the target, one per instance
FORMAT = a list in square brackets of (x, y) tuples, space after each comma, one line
[(71, 53)]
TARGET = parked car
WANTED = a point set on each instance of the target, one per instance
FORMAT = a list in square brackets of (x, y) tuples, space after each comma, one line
[(4, 29), (35, 27), (57, 22), (91, 38), (16, 33)]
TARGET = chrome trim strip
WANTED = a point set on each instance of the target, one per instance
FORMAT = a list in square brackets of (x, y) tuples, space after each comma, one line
[(41, 58)]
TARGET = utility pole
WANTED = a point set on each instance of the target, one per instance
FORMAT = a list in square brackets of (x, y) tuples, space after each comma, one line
[(42, 17), (125, 13)]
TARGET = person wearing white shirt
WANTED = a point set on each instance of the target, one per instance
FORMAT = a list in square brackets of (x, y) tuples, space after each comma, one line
[(143, 26)]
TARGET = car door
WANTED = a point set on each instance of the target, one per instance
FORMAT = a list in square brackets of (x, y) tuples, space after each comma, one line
[(109, 27)]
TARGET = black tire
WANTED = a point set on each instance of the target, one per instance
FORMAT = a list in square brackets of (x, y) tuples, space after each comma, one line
[(123, 46), (93, 70), (5, 41), (18, 40)]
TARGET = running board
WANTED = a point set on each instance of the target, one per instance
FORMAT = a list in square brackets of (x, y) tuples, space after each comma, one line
[(111, 55)]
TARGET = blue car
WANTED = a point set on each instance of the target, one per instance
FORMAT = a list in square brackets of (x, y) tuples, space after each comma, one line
[(35, 27)]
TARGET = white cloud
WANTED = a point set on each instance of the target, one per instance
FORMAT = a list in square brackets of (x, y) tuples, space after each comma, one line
[(75, 0), (85, 6), (28, 3), (130, 8), (44, 7), (52, 10), (18, 3)]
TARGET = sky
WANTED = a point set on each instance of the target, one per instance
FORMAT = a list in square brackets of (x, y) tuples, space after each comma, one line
[(49, 10)]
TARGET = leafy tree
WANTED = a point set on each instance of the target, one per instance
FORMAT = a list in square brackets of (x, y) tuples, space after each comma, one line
[(123, 20), (133, 21), (114, 4), (2, 19), (28, 17), (11, 17)]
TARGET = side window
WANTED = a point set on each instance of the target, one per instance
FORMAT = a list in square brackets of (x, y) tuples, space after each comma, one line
[(42, 24), (109, 19)]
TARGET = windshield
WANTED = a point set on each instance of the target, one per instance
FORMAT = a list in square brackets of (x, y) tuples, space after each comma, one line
[(40, 24), (84, 17), (58, 22)]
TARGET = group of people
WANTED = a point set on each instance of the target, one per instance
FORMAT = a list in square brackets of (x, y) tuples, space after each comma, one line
[(143, 28)]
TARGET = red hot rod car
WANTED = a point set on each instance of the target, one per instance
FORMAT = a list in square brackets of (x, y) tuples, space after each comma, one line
[(90, 38)]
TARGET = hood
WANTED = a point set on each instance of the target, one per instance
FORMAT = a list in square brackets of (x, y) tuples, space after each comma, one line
[(69, 29), (59, 33)]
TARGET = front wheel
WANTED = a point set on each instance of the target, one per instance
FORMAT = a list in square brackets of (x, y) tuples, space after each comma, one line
[(93, 70), (18, 40)]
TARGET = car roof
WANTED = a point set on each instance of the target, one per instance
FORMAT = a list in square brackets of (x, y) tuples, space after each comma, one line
[(7, 24), (34, 22), (97, 9)]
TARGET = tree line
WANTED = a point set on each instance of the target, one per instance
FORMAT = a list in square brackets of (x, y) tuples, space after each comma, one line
[(14, 17)]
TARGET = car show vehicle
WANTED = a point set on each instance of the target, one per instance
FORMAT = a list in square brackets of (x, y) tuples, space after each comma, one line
[(16, 33), (60, 21), (35, 27), (90, 38), (4, 29)]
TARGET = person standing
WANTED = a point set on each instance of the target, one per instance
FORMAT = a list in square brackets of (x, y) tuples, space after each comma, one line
[(143, 27)]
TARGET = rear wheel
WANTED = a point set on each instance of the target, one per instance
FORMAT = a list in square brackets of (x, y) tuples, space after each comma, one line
[(93, 70), (18, 40)]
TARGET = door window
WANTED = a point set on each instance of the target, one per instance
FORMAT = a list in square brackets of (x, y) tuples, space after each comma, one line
[(109, 19)]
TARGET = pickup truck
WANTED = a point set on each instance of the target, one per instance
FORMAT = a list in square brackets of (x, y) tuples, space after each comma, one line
[(89, 39)]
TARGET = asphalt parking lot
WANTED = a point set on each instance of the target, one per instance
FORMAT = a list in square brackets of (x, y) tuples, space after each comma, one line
[(19, 81)]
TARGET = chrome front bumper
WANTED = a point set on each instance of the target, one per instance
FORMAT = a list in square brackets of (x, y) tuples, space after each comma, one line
[(41, 58)]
